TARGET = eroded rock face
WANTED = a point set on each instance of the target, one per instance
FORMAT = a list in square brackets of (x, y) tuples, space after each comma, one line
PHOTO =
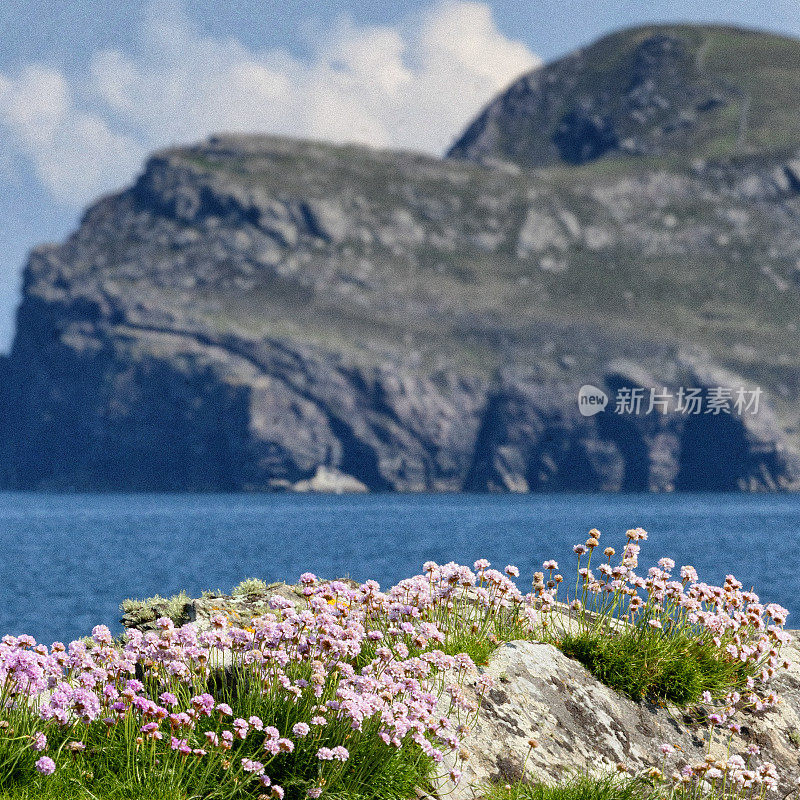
[(255, 310), (581, 724)]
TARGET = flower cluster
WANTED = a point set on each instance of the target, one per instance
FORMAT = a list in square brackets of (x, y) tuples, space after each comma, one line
[(612, 597), (351, 678), (353, 667), (732, 777)]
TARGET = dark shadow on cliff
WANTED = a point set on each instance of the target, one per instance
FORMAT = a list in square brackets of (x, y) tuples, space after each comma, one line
[(715, 454)]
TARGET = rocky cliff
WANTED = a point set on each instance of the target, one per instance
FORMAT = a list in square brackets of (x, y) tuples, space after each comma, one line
[(254, 309)]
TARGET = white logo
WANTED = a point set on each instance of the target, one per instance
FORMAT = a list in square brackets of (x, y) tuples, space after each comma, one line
[(591, 400)]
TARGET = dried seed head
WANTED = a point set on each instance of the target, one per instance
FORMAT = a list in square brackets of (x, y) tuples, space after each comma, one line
[(591, 543)]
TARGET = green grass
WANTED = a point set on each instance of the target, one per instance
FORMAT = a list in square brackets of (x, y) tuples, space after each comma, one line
[(153, 607), (578, 787), (647, 664), (375, 771)]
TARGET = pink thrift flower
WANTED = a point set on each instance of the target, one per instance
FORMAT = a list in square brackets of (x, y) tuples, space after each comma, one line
[(340, 753), (301, 729), (45, 766), (39, 741)]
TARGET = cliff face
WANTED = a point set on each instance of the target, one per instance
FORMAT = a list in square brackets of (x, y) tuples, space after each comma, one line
[(255, 308)]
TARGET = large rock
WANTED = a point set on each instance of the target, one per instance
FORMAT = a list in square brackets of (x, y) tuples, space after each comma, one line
[(581, 724)]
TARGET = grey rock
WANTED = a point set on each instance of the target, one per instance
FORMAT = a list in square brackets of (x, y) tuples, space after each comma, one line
[(581, 724)]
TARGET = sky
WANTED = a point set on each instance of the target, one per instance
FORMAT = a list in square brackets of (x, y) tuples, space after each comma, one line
[(89, 88)]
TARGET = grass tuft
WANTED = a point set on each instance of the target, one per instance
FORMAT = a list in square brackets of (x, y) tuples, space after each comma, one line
[(578, 787), (250, 587), (649, 665)]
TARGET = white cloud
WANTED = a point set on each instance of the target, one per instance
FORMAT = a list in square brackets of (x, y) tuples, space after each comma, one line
[(413, 86), (75, 154)]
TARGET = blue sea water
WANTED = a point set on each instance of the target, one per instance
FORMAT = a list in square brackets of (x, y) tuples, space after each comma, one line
[(67, 560)]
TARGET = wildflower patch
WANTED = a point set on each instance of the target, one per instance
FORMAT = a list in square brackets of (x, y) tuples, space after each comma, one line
[(343, 690)]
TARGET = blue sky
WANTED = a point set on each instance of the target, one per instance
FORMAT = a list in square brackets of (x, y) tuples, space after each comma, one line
[(88, 88)]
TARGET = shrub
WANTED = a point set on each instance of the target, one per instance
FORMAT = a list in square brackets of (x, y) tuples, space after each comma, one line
[(250, 586), (152, 608)]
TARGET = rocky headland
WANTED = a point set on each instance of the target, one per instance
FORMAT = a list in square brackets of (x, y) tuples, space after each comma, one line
[(258, 313)]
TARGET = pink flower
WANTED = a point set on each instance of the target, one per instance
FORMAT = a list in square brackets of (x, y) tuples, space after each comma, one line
[(39, 741), (551, 564), (102, 635), (301, 729), (340, 753), (168, 699), (45, 766)]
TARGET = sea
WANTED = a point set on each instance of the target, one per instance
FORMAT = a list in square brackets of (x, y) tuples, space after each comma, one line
[(68, 560)]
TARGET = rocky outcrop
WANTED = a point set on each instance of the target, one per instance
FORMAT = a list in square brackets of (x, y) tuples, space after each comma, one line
[(541, 695), (262, 314), (331, 482), (580, 724)]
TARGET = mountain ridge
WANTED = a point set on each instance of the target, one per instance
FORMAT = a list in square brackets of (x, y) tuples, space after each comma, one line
[(685, 90)]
